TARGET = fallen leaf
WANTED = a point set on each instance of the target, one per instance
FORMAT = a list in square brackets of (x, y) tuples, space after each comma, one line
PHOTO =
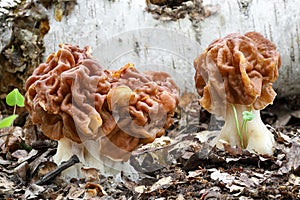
[(180, 197), (140, 189), (93, 190), (5, 184), (44, 168), (4, 162), (21, 153), (75, 192), (91, 174), (161, 183), (21, 170), (193, 174), (296, 114), (29, 155), (233, 151), (232, 159), (58, 12), (235, 188), (34, 165), (294, 180), (205, 136), (33, 191), (222, 176), (283, 138), (293, 163), (246, 181), (212, 193)]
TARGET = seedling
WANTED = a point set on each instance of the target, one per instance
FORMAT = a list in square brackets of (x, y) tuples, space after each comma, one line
[(14, 98), (247, 116)]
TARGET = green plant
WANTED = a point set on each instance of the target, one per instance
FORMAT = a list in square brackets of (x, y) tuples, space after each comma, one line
[(247, 116), (14, 98)]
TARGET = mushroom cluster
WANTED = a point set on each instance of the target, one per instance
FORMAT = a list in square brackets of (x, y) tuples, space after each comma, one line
[(99, 115), (234, 78)]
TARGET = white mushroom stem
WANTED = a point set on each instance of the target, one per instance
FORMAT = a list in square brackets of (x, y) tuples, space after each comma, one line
[(88, 154), (256, 137), (65, 150)]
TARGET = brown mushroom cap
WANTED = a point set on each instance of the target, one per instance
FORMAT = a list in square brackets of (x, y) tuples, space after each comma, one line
[(71, 96), (237, 69), (143, 103)]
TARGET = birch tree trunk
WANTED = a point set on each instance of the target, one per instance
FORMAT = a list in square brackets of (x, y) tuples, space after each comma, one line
[(123, 31)]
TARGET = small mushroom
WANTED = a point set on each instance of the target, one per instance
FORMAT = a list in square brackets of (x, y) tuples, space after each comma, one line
[(234, 78), (99, 115)]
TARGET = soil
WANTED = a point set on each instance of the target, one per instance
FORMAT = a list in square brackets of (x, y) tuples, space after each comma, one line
[(180, 165)]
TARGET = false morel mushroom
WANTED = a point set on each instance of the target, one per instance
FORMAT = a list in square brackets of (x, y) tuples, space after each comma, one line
[(234, 78), (99, 115)]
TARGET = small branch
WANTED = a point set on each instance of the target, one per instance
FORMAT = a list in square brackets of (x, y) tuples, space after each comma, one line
[(6, 134), (51, 175)]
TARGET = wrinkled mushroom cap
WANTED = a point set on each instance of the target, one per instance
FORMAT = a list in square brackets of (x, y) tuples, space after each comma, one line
[(72, 96), (237, 69)]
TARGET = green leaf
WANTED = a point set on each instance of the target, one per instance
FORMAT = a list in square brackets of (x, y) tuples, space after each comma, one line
[(7, 122), (15, 98), (248, 115)]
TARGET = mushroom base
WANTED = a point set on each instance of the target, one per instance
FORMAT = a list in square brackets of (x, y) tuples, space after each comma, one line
[(89, 158), (256, 138)]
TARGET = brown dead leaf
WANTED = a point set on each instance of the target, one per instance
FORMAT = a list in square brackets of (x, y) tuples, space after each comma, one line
[(42, 169), (12, 143), (93, 190), (205, 156), (283, 138), (91, 174), (21, 170), (58, 12), (34, 165), (45, 168), (233, 151)]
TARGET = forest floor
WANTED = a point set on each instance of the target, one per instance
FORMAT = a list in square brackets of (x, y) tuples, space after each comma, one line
[(180, 165)]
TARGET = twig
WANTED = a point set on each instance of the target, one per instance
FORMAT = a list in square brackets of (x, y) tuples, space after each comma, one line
[(43, 144), (5, 134), (51, 175)]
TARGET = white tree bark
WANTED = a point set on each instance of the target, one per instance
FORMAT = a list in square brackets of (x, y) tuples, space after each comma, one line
[(122, 31)]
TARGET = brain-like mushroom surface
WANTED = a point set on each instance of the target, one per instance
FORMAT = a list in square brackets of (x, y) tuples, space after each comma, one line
[(237, 70), (74, 100)]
